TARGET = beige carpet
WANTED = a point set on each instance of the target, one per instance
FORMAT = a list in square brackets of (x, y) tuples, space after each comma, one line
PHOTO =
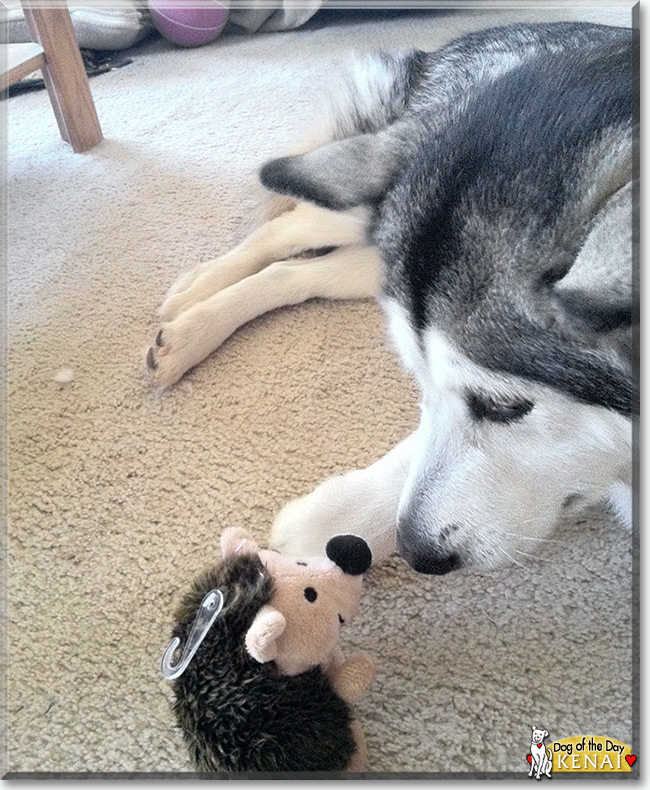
[(117, 495)]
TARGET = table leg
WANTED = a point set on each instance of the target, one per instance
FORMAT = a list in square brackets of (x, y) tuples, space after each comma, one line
[(64, 75)]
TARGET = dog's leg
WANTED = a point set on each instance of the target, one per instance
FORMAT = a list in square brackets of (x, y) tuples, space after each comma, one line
[(363, 502), (306, 227), (345, 273), (532, 763), (548, 765)]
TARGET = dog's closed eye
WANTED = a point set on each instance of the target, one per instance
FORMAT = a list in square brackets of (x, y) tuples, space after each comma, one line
[(486, 408)]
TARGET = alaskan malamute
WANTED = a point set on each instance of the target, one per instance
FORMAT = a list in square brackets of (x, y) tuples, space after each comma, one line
[(484, 193)]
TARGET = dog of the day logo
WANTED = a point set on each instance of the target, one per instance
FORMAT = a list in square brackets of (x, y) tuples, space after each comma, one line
[(577, 754), (540, 757)]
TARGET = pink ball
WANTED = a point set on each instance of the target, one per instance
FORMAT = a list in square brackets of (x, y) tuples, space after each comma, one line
[(189, 27)]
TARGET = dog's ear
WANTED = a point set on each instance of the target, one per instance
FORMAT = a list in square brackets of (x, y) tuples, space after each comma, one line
[(545, 733), (342, 174), (596, 314), (608, 301)]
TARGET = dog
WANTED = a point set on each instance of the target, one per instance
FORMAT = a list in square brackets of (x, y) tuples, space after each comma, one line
[(541, 759), (483, 193)]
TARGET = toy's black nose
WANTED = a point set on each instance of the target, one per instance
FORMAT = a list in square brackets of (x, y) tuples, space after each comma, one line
[(350, 552)]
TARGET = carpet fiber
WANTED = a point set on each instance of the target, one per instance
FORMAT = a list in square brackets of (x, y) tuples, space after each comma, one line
[(117, 495)]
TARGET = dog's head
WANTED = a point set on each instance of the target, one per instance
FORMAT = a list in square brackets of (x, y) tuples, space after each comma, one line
[(538, 735), (525, 388)]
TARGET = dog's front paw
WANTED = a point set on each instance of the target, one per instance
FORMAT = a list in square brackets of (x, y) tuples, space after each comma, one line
[(201, 283), (299, 529), (183, 294), (178, 347), (352, 503), (164, 363)]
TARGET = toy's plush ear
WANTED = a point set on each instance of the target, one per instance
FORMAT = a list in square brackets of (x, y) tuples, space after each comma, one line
[(262, 637), (236, 540)]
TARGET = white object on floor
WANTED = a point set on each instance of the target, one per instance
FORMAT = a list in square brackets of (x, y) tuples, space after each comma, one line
[(64, 375)]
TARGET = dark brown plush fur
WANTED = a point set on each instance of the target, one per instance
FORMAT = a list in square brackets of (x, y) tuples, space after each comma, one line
[(239, 715)]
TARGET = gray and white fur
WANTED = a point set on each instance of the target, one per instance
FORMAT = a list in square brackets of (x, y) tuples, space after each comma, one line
[(483, 193)]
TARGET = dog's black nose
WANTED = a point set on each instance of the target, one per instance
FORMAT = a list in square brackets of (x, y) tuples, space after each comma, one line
[(424, 555), (431, 562)]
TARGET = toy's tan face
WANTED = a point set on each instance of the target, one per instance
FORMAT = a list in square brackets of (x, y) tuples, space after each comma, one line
[(312, 599), (316, 597)]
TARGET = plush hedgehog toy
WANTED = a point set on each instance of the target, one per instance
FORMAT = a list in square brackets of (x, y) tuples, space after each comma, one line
[(262, 684)]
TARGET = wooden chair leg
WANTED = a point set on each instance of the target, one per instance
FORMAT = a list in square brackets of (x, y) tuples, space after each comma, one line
[(64, 75)]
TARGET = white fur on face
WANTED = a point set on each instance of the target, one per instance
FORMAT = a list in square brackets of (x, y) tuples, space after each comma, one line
[(487, 490)]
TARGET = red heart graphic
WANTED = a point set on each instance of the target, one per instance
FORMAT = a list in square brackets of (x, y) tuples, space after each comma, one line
[(530, 759), (631, 759)]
